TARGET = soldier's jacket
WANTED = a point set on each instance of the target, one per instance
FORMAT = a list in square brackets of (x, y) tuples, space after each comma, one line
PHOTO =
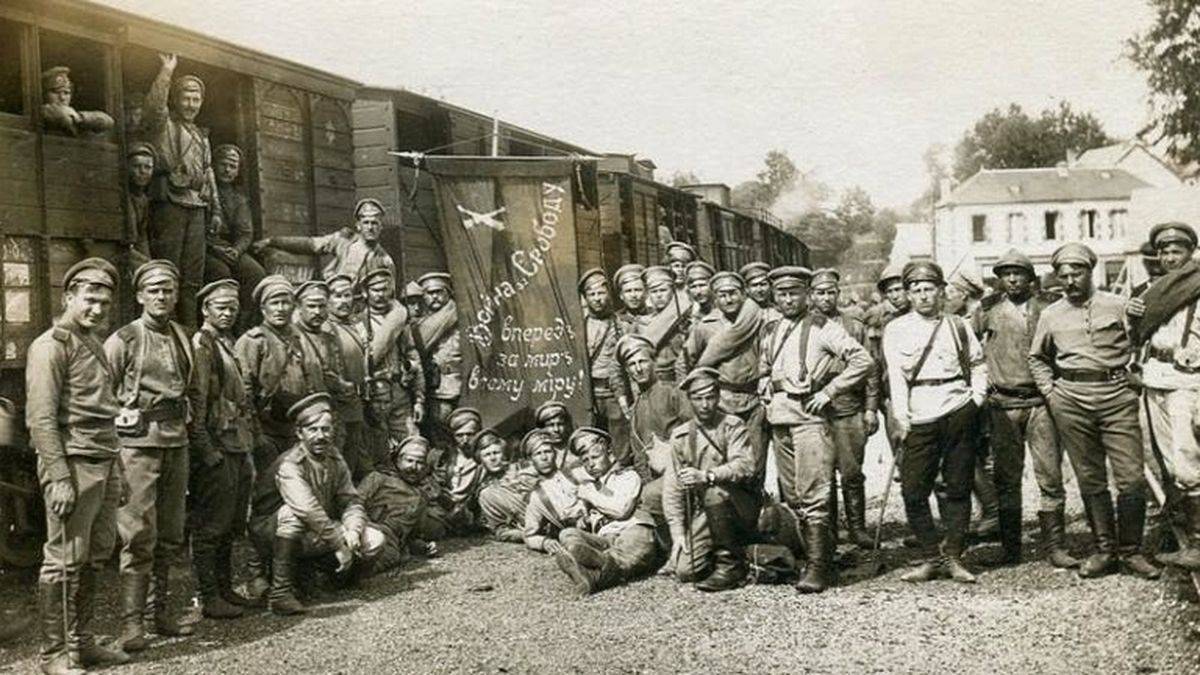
[(655, 413), (237, 226), (723, 448), (393, 503), (632, 324), (183, 171), (318, 490), (805, 356), (70, 400), (321, 348), (394, 354), (614, 504), (137, 225), (1006, 330), (739, 374), (351, 342), (553, 506), (221, 420), (276, 375), (442, 350), (348, 253), (154, 367), (865, 395), (602, 335)]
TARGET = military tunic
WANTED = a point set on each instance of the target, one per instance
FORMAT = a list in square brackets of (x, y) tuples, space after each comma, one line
[(276, 376)]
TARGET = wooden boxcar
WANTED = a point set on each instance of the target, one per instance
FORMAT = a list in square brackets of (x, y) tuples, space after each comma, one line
[(62, 197)]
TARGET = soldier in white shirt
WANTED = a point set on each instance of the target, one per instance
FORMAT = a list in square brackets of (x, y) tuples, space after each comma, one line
[(938, 380)]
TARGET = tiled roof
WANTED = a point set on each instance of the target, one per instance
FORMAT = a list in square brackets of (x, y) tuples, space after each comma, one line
[(1058, 184)]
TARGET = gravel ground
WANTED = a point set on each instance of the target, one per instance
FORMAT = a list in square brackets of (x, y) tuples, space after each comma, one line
[(498, 608)]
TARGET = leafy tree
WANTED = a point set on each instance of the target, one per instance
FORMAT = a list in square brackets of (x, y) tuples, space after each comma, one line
[(778, 176), (1011, 139), (855, 211), (682, 178), (824, 234), (1169, 52)]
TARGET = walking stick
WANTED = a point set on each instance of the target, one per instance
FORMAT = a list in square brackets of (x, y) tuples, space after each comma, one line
[(887, 491), (65, 585), (688, 536)]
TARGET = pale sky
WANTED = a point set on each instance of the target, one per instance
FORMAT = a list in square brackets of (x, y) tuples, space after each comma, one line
[(854, 90)]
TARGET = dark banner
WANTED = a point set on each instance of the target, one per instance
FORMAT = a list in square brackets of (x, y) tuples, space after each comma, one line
[(509, 234)]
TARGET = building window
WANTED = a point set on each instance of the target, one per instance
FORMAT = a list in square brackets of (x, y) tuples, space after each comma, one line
[(1016, 228), (1051, 225), (1116, 223), (12, 87), (979, 227), (1087, 224)]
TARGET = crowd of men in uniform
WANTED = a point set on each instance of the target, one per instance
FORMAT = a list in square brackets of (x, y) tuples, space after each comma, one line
[(322, 420)]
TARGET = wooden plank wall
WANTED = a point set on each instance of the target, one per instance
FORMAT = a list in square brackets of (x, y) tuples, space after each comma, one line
[(20, 196), (83, 191), (612, 232), (285, 177), (332, 163), (374, 126)]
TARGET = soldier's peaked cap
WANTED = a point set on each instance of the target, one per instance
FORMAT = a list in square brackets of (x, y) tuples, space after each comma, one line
[(698, 269), (701, 380), (310, 407), (485, 438), (188, 83), (462, 417), (585, 438), (271, 286), (678, 250), (826, 277), (626, 273), (726, 279), (593, 277), (376, 275), (533, 440), (1014, 259), (631, 344), (415, 446), (340, 278), (893, 272), (1172, 232), (1073, 253), (218, 290), (753, 270), (789, 276), (659, 275), (549, 410), (368, 206), (155, 270), (93, 271), (923, 270), (413, 290), (434, 280), (58, 77)]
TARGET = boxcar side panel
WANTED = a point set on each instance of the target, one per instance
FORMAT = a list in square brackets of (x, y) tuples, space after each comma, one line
[(283, 163), (333, 163)]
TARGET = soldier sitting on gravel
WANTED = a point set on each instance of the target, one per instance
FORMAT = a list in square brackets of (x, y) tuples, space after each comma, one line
[(503, 504), (394, 499), (614, 540)]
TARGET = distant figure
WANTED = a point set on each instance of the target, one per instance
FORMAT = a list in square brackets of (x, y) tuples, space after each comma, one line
[(228, 241), (357, 253), (57, 113)]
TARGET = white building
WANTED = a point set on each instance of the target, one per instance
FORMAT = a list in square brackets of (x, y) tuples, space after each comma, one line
[(1133, 156), (914, 241), (1036, 211)]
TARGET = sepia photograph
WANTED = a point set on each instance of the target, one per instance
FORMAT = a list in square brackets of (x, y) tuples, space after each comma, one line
[(463, 336)]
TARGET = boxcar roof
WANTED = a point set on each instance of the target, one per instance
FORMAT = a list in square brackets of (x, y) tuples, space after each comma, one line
[(163, 36)]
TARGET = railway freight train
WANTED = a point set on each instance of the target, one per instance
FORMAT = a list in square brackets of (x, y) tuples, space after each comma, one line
[(312, 144)]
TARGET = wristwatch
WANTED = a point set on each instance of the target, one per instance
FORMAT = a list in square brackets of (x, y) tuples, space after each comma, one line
[(709, 478)]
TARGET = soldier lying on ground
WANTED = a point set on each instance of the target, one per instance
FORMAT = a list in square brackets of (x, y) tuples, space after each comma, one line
[(394, 499), (503, 504)]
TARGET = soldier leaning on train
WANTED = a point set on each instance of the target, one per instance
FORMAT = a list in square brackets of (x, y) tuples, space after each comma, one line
[(334, 425)]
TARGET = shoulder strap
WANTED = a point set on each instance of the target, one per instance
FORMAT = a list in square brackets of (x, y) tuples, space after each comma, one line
[(960, 343), (141, 360), (1187, 325), (552, 515), (925, 352), (805, 330), (97, 352), (600, 345), (779, 347)]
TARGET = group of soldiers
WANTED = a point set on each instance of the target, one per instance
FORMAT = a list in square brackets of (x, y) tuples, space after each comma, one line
[(330, 431)]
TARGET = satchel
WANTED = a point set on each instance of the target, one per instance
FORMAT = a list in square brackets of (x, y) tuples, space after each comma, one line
[(129, 421)]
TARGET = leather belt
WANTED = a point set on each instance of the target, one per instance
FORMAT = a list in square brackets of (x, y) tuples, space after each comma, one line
[(1112, 375), (170, 409), (1017, 392), (935, 381), (746, 388)]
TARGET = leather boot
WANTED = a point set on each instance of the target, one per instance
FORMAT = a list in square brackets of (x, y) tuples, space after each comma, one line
[(1054, 539), (90, 652), (284, 562), (223, 568), (133, 605), (212, 604), (818, 575), (583, 579), (164, 624), (1010, 535), (987, 528), (259, 566), (729, 564), (926, 571), (1099, 510), (56, 657), (833, 511), (1131, 522), (1188, 555), (955, 516), (855, 498)]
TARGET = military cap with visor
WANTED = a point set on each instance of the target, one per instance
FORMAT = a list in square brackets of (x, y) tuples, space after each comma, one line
[(434, 280), (310, 407), (271, 286), (1073, 253), (1172, 233), (221, 289), (893, 272), (753, 270), (701, 380), (923, 270), (155, 271), (368, 206), (592, 277), (312, 286), (826, 277), (627, 273), (698, 269), (462, 418), (631, 344), (678, 250), (789, 276), (658, 276), (550, 410), (585, 438), (1014, 259), (727, 279), (92, 271)]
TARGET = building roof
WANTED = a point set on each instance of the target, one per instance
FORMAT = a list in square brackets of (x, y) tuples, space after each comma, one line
[(1054, 184), (1104, 157)]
